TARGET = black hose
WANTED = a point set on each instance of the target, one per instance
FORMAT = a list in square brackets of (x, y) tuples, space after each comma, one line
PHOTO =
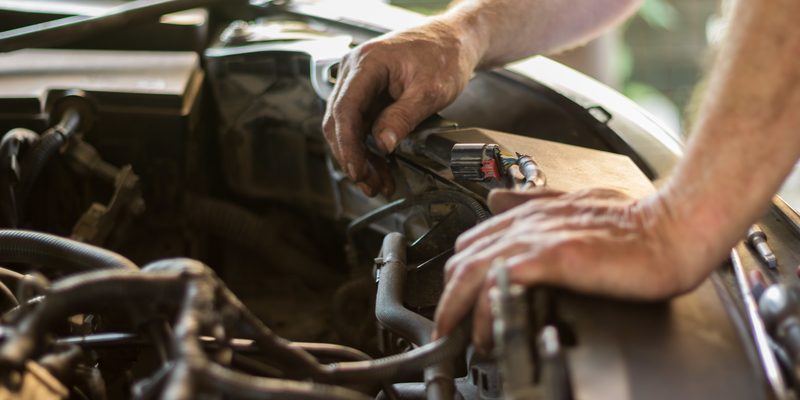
[(389, 308), (10, 146), (90, 291), (393, 315), (40, 154), (239, 385), (19, 246), (331, 350), (392, 368), (162, 283)]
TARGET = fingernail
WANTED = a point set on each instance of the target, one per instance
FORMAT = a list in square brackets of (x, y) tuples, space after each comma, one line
[(351, 170), (365, 188), (389, 139)]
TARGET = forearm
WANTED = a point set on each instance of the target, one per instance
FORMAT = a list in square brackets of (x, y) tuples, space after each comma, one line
[(748, 137), (501, 31)]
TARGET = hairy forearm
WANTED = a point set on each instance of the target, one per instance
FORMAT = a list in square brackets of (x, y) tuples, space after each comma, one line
[(748, 135), (501, 31)]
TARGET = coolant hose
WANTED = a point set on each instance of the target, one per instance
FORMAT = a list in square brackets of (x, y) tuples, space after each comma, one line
[(392, 314), (27, 247), (389, 308)]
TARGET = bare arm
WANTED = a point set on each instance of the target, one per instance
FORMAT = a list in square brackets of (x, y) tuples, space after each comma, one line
[(508, 30), (748, 135), (745, 143), (390, 84)]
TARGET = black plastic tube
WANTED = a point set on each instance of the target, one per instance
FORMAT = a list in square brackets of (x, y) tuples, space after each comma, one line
[(86, 292), (392, 314), (19, 246), (162, 283), (243, 386), (389, 308), (10, 146), (40, 154)]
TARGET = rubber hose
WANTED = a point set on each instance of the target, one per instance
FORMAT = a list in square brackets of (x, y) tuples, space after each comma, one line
[(19, 246), (10, 146), (239, 385), (40, 154), (392, 368), (389, 308), (392, 314)]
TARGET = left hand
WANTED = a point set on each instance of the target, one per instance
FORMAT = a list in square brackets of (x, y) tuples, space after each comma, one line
[(596, 241)]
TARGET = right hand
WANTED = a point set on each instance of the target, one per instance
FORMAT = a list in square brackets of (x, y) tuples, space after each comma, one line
[(385, 88)]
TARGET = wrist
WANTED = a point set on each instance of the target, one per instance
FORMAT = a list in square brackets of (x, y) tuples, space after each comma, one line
[(688, 252), (469, 30)]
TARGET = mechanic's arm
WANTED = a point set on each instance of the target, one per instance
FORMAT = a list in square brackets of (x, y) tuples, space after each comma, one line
[(390, 84), (742, 148)]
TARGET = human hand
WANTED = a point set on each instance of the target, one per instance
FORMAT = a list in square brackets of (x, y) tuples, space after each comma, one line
[(385, 88), (595, 241)]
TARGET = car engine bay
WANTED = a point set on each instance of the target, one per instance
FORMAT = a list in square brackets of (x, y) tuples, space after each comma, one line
[(173, 225)]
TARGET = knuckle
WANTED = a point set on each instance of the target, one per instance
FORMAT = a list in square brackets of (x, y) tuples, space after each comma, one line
[(461, 242), (450, 267), (431, 94)]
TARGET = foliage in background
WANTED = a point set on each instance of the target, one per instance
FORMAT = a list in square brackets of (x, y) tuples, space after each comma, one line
[(658, 14)]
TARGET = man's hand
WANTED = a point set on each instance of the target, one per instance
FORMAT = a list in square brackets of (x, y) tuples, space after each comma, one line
[(385, 88), (595, 241)]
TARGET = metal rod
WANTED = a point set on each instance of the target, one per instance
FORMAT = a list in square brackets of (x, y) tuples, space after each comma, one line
[(760, 337)]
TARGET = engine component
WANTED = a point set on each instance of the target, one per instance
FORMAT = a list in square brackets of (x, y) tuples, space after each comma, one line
[(758, 241), (476, 162), (779, 306), (512, 336), (240, 178)]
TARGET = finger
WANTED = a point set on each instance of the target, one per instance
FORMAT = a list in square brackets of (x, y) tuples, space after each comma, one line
[(482, 332), (459, 297), (502, 200), (475, 248), (402, 116), (329, 123), (492, 225), (384, 177), (462, 290), (542, 203), (357, 93), (371, 183)]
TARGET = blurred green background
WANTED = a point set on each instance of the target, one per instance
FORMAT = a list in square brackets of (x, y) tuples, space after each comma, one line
[(657, 58)]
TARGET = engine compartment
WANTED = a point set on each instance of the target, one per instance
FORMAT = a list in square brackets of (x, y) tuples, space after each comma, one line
[(217, 251)]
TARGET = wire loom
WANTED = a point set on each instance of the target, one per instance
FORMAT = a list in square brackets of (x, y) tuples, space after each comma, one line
[(201, 306)]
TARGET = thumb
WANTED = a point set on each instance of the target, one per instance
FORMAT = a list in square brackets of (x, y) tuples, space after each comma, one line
[(501, 200), (398, 120)]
